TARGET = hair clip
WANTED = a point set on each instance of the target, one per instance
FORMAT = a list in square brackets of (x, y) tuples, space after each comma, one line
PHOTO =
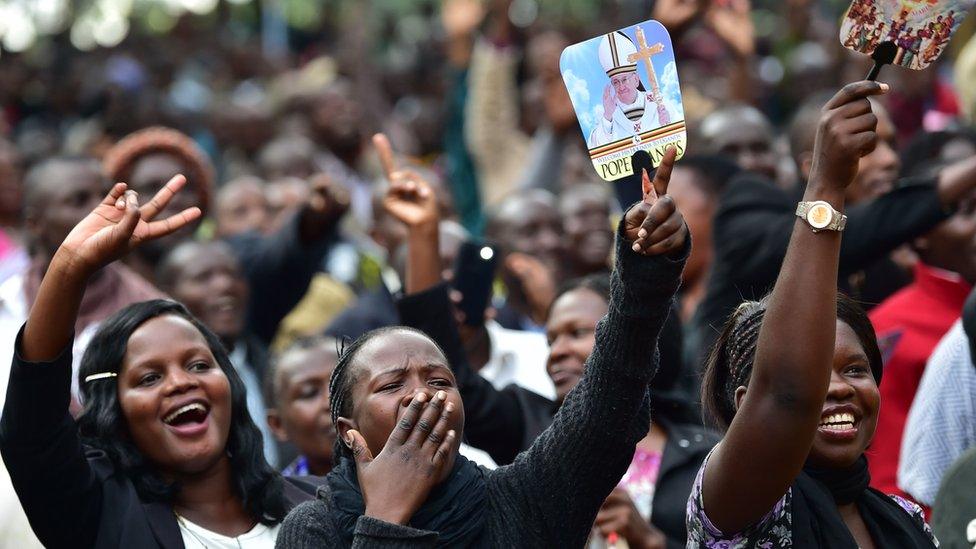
[(102, 375)]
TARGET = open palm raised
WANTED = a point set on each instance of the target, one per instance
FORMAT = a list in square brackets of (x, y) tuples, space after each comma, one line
[(118, 224)]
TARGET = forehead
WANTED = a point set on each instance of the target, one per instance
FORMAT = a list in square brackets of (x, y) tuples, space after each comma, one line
[(307, 362), (65, 178), (846, 342), (395, 349), (157, 165), (588, 201), (527, 211), (162, 337), (199, 258), (578, 304)]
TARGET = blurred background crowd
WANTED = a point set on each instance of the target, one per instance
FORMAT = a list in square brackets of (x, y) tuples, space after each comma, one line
[(267, 107)]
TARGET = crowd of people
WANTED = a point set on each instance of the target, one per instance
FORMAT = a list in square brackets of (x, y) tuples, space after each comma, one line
[(375, 294)]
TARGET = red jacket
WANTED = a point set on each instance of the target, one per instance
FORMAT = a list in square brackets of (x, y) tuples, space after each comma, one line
[(909, 325)]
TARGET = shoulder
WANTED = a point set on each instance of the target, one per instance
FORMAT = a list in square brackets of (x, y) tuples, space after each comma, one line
[(775, 529), (749, 191), (309, 524), (918, 516)]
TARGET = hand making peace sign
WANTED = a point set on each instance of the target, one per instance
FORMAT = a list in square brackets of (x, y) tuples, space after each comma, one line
[(654, 224)]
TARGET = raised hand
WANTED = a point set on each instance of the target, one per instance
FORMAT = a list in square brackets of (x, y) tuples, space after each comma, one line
[(461, 17), (119, 224), (410, 198), (536, 281), (619, 516), (654, 224), (609, 102), (397, 481), (733, 24), (847, 131), (328, 201), (675, 15)]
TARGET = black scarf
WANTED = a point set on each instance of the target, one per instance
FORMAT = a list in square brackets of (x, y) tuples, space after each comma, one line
[(455, 509), (817, 522)]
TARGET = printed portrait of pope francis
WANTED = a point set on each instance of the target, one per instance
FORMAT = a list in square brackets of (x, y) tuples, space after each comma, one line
[(628, 109)]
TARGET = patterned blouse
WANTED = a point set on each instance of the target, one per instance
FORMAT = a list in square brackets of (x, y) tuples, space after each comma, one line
[(772, 531)]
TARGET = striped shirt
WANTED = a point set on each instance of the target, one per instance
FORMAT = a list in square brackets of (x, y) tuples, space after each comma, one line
[(942, 422)]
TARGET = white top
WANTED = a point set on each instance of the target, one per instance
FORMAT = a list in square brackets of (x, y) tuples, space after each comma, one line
[(198, 537), (255, 400), (518, 357)]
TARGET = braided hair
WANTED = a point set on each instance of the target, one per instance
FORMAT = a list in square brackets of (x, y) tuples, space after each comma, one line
[(344, 379), (729, 365)]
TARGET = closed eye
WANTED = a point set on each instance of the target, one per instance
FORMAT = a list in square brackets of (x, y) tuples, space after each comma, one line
[(389, 387), (439, 382)]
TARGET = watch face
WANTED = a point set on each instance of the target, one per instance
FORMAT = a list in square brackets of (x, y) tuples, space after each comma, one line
[(819, 216)]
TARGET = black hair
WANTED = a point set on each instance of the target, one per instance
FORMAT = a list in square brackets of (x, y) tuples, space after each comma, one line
[(925, 149), (37, 175), (343, 379), (102, 424), (729, 365), (714, 172), (598, 283)]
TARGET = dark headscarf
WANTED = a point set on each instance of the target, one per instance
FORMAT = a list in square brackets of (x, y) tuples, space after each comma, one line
[(455, 509), (817, 522)]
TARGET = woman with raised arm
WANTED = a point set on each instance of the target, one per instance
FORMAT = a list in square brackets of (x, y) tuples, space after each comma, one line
[(399, 480), (793, 381), (164, 453)]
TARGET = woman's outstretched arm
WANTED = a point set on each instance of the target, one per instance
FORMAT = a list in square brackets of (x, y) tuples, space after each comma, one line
[(561, 481), (38, 438), (776, 419)]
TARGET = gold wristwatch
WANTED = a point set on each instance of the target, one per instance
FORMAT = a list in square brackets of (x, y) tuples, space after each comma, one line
[(821, 216)]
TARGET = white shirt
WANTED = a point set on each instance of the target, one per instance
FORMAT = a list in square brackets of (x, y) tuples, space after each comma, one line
[(518, 357), (941, 425), (198, 537), (13, 315), (255, 400)]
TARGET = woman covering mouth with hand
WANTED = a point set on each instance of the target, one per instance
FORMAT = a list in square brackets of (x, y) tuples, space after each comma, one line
[(164, 453), (399, 479), (793, 381)]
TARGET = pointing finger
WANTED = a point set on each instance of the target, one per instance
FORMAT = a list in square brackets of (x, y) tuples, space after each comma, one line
[(385, 151), (662, 177)]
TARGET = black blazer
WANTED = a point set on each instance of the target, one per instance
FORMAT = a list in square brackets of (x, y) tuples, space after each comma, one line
[(73, 496)]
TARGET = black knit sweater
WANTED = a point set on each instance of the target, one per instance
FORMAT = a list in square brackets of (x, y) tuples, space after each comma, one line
[(550, 495)]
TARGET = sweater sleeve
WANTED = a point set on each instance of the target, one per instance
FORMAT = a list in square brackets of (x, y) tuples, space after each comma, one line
[(493, 418), (42, 451), (309, 526), (279, 269), (557, 486)]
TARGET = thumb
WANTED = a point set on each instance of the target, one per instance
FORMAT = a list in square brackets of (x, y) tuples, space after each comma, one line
[(360, 450)]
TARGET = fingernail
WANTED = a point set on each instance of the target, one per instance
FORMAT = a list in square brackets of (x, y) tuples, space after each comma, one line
[(120, 203), (642, 233), (636, 247), (441, 395), (449, 407), (884, 86), (421, 397), (451, 433)]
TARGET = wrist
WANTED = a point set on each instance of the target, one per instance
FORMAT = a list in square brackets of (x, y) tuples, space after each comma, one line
[(830, 193), (422, 231), (66, 266)]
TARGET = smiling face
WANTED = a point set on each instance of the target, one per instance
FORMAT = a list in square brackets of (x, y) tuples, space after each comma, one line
[(174, 396), (207, 278), (850, 411), (386, 374), (625, 87), (571, 331)]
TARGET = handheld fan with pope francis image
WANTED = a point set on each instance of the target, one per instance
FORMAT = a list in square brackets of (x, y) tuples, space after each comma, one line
[(624, 89)]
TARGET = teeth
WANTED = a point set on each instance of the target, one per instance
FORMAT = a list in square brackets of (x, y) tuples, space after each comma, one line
[(846, 418), (184, 409), (838, 427)]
